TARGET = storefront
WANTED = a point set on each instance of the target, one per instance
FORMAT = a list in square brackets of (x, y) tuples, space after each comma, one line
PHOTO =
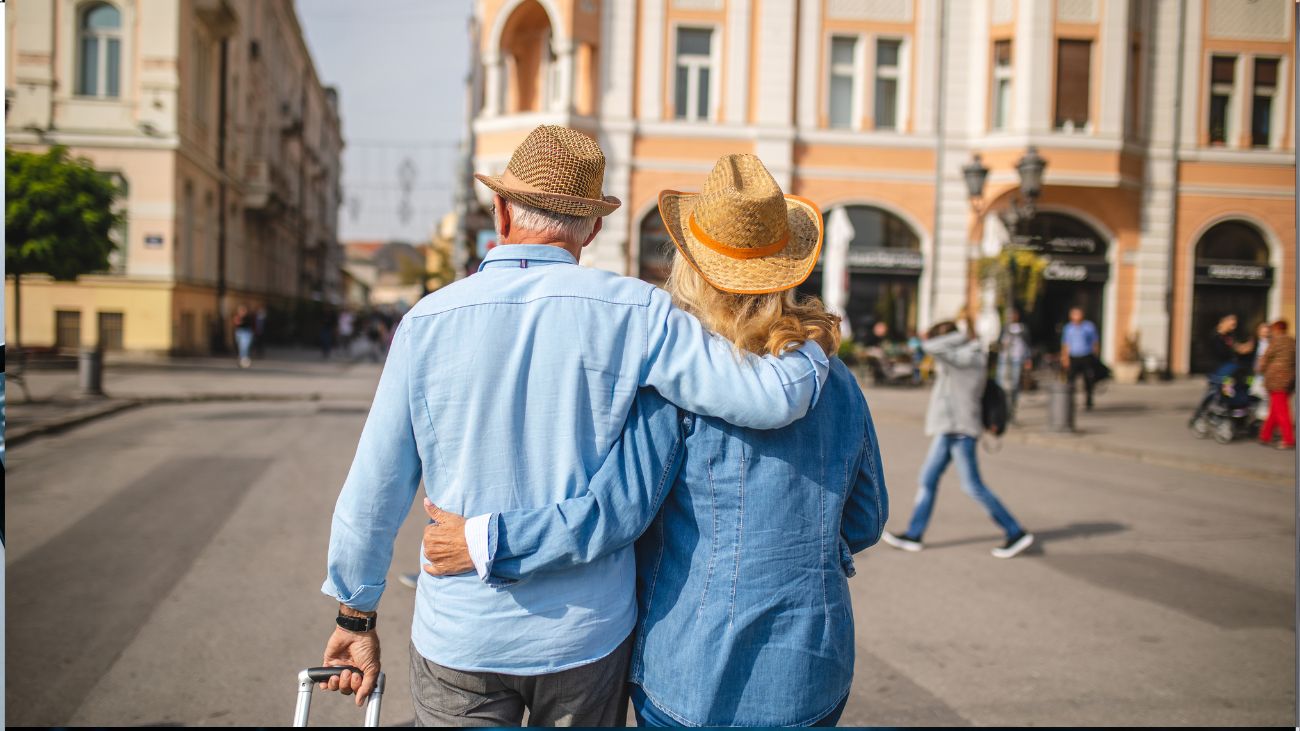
[(884, 265), (1231, 276), (1076, 276)]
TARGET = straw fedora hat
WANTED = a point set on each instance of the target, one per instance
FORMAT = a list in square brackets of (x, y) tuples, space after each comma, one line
[(741, 233), (556, 169)]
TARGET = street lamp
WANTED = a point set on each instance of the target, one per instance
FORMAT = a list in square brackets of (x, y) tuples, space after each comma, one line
[(1020, 209), (1023, 205)]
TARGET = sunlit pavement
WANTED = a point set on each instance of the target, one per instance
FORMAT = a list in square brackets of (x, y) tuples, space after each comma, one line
[(164, 565)]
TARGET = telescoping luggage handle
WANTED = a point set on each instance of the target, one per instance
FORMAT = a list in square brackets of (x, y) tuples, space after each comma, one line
[(309, 677)]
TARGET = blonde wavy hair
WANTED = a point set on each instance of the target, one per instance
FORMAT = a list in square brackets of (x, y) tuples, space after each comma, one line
[(759, 323)]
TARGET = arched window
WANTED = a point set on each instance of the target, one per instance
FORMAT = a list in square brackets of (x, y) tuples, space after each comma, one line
[(1235, 241), (532, 68), (99, 44), (880, 271)]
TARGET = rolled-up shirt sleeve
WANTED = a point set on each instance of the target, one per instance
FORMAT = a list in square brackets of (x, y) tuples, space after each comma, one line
[(378, 491), (705, 374)]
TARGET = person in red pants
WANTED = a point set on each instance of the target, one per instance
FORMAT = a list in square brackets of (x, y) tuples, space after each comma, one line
[(1278, 366)]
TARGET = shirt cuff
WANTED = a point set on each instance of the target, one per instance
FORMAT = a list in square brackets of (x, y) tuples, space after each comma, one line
[(476, 540), (821, 366)]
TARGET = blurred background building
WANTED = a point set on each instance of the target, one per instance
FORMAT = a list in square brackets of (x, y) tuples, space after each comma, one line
[(211, 115), (1166, 127)]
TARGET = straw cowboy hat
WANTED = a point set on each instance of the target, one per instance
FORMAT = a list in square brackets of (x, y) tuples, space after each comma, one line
[(741, 234), (556, 169)]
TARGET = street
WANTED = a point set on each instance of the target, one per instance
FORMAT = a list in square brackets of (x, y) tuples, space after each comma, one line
[(165, 562)]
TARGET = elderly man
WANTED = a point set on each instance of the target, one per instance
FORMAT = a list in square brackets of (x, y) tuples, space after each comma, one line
[(507, 390)]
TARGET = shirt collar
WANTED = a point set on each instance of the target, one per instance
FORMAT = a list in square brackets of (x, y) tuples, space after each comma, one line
[(540, 254)]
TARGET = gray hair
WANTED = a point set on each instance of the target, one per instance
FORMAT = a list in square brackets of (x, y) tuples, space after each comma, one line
[(560, 226)]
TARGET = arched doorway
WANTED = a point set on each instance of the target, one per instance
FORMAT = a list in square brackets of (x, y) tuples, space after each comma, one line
[(1232, 276), (884, 268), (655, 249), (1076, 275)]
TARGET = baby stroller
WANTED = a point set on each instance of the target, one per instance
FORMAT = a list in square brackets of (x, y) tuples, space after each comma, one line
[(1231, 411)]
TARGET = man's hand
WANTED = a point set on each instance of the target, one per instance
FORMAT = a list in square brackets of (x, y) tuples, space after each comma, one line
[(444, 543), (358, 649)]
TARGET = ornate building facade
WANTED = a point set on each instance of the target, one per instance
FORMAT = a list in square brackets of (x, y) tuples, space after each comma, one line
[(227, 146), (1168, 195)]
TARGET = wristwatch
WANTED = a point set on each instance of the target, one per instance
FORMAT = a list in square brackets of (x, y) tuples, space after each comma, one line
[(356, 624)]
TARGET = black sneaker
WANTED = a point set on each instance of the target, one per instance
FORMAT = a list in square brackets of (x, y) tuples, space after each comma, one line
[(903, 542), (1015, 545)]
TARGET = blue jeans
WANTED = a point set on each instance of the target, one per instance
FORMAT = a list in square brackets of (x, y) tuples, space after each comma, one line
[(648, 714), (243, 340), (944, 448)]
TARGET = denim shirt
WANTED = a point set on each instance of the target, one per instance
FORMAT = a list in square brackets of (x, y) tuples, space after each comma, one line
[(507, 390), (744, 610)]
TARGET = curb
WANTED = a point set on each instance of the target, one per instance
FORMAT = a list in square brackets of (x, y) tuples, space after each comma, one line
[(1137, 455), (1161, 460), (20, 434)]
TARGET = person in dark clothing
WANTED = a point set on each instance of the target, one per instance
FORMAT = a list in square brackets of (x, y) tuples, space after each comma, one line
[(327, 324), (1230, 356)]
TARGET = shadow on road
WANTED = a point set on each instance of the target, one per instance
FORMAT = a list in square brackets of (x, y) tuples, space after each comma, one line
[(1064, 533)]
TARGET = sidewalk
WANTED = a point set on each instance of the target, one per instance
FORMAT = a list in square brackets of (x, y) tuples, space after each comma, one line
[(283, 375), (1146, 422)]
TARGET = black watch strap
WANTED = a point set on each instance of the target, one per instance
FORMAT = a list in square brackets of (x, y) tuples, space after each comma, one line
[(356, 624)]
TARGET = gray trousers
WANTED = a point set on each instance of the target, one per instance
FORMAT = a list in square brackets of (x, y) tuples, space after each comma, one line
[(594, 694)]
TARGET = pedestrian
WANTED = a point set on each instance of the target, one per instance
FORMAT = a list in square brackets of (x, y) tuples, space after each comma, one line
[(1279, 379), (327, 325), (1079, 347), (1228, 355), (373, 347), (347, 322), (953, 420), (765, 497), (509, 389), (242, 321), (259, 331), (1013, 350), (917, 353), (1257, 389)]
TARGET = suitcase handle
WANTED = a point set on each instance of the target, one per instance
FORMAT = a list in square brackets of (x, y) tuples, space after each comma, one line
[(322, 674), (309, 677)]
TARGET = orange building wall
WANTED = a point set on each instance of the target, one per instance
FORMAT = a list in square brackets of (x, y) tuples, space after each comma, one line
[(1195, 214)]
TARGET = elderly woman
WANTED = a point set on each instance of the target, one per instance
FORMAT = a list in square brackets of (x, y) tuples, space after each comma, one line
[(742, 576)]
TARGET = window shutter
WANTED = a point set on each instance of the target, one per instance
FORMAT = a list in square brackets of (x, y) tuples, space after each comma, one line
[(1073, 72)]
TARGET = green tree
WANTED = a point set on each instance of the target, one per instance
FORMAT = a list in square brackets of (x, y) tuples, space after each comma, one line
[(59, 218)]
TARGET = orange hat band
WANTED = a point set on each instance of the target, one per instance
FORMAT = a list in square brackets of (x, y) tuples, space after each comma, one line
[(735, 252)]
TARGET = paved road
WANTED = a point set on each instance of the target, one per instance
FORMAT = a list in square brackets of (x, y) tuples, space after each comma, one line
[(164, 567)]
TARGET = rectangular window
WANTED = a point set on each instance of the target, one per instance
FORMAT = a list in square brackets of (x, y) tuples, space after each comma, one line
[(886, 96), (1261, 106), (1001, 84), (67, 329), (88, 84), (1073, 83), (1223, 74), (840, 95), (691, 94), (112, 63), (110, 330)]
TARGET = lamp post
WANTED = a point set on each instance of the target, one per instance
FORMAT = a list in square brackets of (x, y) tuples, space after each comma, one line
[(1021, 209)]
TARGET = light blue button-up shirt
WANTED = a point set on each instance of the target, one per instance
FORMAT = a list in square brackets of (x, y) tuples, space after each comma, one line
[(507, 390)]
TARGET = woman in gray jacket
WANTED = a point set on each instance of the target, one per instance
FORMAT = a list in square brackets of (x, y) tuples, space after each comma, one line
[(953, 419)]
